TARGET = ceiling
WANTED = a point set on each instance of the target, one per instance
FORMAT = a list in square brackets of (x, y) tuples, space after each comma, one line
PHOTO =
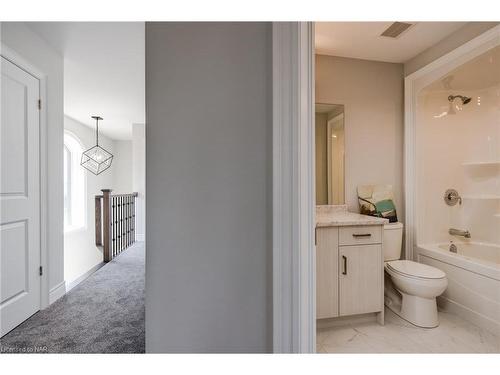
[(103, 72), (362, 40)]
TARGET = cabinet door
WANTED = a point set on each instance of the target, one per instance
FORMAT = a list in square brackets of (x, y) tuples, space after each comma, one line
[(360, 279), (327, 254)]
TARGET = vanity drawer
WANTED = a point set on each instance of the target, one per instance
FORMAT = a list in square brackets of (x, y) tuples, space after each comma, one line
[(360, 234)]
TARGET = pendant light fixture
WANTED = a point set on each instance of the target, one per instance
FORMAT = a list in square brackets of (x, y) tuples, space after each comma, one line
[(96, 159)]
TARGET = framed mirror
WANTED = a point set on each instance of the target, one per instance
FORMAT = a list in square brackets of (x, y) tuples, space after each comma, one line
[(330, 173)]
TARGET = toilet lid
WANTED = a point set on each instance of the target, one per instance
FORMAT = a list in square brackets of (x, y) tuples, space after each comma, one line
[(414, 269)]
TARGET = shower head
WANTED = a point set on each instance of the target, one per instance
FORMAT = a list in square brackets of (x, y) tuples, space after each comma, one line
[(464, 99)]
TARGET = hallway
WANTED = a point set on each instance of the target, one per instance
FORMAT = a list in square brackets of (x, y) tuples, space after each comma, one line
[(103, 314)]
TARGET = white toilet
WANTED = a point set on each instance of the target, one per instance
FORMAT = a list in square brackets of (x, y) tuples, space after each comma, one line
[(411, 288)]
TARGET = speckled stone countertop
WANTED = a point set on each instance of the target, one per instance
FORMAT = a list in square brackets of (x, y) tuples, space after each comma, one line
[(337, 216)]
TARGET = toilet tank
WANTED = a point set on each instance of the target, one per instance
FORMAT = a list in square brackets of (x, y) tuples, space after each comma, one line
[(393, 239)]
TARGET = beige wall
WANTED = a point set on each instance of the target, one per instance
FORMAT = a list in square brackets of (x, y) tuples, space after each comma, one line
[(372, 93), (455, 40), (321, 163)]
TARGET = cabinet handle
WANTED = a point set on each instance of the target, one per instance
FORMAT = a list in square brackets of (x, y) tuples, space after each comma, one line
[(361, 235), (344, 259)]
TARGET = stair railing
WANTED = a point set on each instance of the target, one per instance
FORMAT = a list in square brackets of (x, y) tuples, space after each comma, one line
[(114, 222)]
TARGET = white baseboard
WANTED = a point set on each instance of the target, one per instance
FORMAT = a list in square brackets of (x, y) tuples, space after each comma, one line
[(470, 315), (140, 237), (57, 292), (70, 285)]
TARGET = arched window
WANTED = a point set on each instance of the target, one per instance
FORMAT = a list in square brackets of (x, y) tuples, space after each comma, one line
[(74, 184)]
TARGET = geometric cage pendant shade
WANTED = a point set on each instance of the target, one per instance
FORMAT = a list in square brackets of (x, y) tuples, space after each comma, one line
[(96, 159)]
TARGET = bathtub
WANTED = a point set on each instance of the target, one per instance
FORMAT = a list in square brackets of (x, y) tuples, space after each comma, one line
[(473, 274)]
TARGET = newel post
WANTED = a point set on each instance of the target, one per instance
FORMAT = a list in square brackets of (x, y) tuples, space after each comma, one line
[(106, 224), (135, 194), (98, 221)]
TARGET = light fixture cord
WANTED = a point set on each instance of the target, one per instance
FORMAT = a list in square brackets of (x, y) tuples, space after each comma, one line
[(97, 132)]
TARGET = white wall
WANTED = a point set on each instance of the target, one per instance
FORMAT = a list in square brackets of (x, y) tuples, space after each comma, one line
[(122, 167), (372, 95), (22, 40), (80, 252), (208, 183), (139, 178)]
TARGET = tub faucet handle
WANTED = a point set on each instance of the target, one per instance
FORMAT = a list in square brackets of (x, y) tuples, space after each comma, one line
[(451, 197)]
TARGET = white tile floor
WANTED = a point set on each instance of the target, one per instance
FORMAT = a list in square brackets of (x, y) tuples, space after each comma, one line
[(454, 335)]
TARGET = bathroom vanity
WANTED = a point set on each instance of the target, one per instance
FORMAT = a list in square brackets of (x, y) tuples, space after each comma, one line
[(349, 263)]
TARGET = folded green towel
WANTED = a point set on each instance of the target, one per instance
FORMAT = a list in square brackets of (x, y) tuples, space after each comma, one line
[(387, 209), (384, 208)]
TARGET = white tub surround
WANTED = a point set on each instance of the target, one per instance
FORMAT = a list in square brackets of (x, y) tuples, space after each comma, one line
[(349, 265), (469, 164), (452, 142)]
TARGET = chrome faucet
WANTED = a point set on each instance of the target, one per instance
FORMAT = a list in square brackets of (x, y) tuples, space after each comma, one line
[(458, 232)]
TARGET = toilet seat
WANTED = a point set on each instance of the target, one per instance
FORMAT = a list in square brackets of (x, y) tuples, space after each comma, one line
[(408, 268)]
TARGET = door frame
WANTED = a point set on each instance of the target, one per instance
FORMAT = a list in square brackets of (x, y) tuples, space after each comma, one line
[(16, 59), (294, 263)]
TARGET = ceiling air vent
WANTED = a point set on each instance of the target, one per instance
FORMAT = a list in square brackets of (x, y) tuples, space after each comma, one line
[(396, 29)]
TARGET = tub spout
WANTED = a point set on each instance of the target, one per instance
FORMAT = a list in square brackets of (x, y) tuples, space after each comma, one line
[(459, 232)]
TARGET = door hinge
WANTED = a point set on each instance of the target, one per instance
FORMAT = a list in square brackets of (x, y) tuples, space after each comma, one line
[(41, 270), (39, 104)]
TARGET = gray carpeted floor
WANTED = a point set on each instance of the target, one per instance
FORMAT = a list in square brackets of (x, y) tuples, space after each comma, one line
[(103, 314)]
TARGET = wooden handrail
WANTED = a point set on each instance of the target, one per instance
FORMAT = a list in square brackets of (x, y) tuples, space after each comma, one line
[(135, 194), (114, 222)]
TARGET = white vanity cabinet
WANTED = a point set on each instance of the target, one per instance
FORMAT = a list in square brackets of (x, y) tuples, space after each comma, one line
[(349, 271)]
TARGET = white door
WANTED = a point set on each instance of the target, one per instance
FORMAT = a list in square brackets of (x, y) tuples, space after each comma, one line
[(19, 197)]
